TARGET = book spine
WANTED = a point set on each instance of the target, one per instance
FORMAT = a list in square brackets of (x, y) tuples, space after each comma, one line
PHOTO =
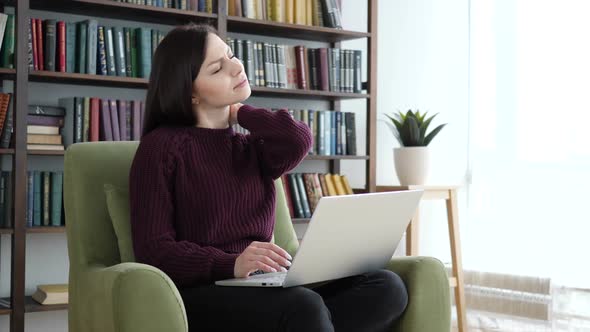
[(110, 50), (30, 198), (61, 46), (105, 121), (46, 198), (86, 120), (33, 24), (56, 197), (82, 36), (120, 63), (37, 198), (115, 120), (49, 50), (94, 119), (304, 198), (295, 194), (70, 47), (127, 48), (133, 41), (101, 66), (91, 47)]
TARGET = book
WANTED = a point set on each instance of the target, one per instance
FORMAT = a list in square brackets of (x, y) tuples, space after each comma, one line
[(51, 294), (46, 147), (42, 130)]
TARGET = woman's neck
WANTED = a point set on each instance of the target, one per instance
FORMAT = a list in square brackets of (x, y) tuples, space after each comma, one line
[(213, 118)]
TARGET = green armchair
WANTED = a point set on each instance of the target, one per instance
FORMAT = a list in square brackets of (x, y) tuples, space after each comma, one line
[(111, 293)]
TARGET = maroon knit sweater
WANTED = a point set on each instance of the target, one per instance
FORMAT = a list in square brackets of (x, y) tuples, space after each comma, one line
[(199, 196)]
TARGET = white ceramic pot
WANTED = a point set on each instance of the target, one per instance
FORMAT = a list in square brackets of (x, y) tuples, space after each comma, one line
[(411, 164)]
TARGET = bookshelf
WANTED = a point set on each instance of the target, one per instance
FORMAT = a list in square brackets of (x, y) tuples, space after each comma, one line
[(21, 76)]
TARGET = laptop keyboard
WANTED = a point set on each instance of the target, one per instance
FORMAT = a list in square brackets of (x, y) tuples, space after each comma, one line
[(271, 278)]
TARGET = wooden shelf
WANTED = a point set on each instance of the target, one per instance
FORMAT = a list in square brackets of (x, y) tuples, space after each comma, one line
[(315, 157), (6, 151), (86, 79), (124, 11), (32, 306), (46, 229), (7, 74), (300, 220), (287, 30), (142, 83), (6, 231), (5, 308), (259, 91), (46, 152)]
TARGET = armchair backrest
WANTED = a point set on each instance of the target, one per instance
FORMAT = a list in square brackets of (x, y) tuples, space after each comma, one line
[(90, 233)]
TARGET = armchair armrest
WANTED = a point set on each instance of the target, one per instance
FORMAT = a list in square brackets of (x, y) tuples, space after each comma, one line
[(132, 297), (429, 302)]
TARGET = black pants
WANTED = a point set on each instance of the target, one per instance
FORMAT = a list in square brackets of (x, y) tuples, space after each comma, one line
[(367, 302)]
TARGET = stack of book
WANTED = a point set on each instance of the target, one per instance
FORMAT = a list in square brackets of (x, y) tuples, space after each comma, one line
[(304, 190), (51, 294), (44, 124)]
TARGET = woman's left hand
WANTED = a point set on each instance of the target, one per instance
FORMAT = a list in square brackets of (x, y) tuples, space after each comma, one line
[(233, 113)]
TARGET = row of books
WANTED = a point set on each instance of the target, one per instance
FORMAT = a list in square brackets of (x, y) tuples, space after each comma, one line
[(7, 33), (6, 120), (299, 67), (89, 48), (89, 119), (324, 13), (334, 132), (304, 190), (205, 6), (44, 199)]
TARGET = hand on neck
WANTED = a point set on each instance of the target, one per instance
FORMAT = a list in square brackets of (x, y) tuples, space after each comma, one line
[(211, 117)]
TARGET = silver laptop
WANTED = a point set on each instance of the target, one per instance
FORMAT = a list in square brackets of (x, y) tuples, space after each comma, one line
[(347, 235)]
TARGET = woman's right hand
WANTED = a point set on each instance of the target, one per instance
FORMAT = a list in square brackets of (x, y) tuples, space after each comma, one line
[(264, 256)]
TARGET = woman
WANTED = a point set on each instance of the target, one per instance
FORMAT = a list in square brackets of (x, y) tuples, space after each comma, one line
[(202, 200)]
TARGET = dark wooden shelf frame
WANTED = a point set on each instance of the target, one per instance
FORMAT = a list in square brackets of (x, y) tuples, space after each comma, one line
[(141, 83), (295, 31), (21, 303), (123, 11), (46, 229), (32, 306), (4, 309), (6, 231), (45, 152)]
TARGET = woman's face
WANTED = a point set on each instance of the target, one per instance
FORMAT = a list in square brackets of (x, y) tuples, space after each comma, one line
[(221, 81)]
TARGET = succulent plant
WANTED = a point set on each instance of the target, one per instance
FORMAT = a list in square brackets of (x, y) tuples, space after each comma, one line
[(410, 128)]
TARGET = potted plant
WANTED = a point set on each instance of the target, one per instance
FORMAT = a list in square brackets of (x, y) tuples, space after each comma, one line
[(411, 160)]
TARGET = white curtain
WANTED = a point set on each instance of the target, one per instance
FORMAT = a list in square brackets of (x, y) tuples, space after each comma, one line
[(529, 198), (529, 155)]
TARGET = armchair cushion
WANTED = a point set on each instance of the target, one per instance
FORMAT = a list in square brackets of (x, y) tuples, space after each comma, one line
[(118, 206)]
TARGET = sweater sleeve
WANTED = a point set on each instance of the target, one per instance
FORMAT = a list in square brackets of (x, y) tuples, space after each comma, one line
[(151, 195), (280, 141)]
